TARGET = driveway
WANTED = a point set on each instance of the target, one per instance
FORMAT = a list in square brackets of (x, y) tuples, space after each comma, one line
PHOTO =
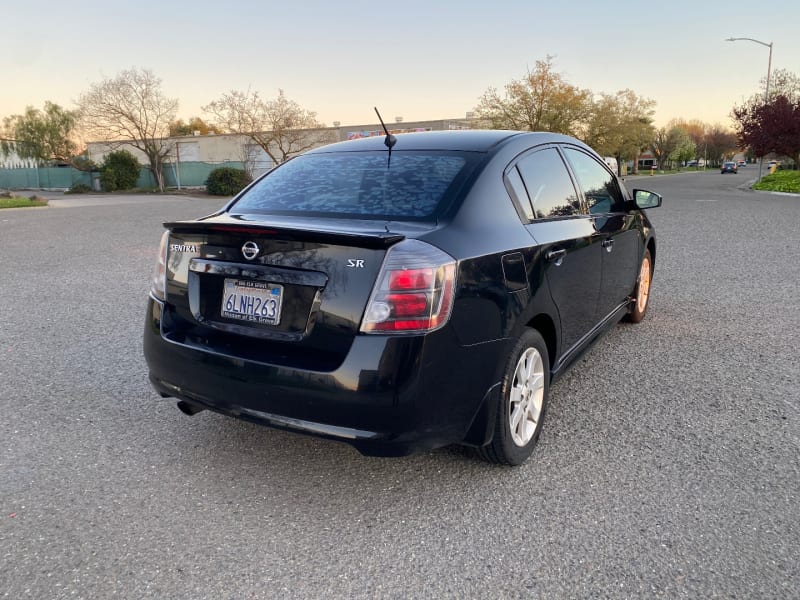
[(669, 465)]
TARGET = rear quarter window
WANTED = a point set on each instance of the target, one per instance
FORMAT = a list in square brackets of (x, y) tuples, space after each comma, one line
[(365, 184)]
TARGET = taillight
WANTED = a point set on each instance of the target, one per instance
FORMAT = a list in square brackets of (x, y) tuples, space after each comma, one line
[(414, 290), (158, 283)]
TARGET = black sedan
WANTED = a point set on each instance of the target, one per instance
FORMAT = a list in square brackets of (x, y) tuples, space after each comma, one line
[(729, 167), (402, 294)]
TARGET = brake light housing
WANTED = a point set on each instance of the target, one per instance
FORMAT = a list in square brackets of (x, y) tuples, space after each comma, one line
[(158, 282), (414, 290)]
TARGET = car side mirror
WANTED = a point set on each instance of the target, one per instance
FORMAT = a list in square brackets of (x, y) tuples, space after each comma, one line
[(645, 199)]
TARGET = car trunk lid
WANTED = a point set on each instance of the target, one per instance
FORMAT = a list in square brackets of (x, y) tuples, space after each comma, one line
[(301, 285)]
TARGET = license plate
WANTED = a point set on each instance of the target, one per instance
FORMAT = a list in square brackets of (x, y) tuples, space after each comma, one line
[(253, 301)]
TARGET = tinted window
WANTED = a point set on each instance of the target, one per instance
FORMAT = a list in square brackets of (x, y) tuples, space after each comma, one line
[(516, 189), (599, 186), (549, 185), (357, 183)]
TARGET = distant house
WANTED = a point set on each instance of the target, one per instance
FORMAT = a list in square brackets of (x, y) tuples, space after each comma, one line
[(647, 160)]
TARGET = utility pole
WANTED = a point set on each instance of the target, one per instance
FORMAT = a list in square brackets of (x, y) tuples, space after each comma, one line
[(766, 93)]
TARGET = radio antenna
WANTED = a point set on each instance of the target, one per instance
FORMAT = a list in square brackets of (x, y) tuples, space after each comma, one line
[(389, 141)]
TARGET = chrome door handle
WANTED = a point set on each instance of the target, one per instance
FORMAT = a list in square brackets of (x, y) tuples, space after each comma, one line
[(556, 255)]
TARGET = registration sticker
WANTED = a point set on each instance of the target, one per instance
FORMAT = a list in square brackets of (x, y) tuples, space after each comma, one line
[(253, 301)]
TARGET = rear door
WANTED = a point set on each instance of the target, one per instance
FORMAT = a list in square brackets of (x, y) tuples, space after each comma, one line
[(564, 234)]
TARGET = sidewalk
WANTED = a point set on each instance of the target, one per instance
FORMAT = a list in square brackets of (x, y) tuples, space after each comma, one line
[(58, 199), (80, 200)]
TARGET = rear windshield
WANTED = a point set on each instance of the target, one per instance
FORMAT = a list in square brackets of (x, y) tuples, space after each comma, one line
[(413, 185)]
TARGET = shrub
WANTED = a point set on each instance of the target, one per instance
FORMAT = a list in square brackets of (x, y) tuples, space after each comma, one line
[(79, 188), (226, 181), (119, 171), (83, 163), (780, 181)]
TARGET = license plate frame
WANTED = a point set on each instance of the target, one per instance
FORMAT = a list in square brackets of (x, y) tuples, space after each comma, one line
[(252, 301)]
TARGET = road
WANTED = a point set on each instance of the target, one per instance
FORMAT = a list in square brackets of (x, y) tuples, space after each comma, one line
[(669, 465)]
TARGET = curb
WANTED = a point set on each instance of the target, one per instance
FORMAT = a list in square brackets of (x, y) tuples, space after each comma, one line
[(748, 187), (788, 194)]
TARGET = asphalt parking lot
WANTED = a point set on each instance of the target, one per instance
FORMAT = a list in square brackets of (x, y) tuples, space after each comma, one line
[(669, 465)]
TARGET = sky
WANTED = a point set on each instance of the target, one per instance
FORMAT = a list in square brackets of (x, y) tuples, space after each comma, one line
[(421, 60)]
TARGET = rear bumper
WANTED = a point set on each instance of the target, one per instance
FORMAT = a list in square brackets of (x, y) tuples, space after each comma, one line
[(392, 395)]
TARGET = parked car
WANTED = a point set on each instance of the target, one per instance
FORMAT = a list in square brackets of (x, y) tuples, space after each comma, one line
[(728, 167), (740, 163), (405, 296)]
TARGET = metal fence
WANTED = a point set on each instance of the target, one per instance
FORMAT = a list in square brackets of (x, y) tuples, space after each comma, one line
[(184, 174), (44, 178)]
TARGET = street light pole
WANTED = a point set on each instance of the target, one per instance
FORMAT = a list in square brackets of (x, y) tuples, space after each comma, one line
[(766, 93)]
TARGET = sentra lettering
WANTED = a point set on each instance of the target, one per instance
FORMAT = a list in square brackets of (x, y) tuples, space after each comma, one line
[(183, 248)]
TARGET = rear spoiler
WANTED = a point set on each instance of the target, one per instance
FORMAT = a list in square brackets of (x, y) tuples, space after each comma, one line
[(366, 239)]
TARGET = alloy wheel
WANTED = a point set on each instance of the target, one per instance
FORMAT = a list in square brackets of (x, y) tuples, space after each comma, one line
[(644, 285), (526, 397)]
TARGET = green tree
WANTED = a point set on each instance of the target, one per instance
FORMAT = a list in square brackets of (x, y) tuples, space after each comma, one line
[(697, 132), (620, 125), (130, 109), (43, 135), (666, 141), (685, 150), (180, 127), (540, 101)]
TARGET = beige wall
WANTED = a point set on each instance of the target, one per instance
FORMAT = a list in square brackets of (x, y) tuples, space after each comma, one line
[(202, 148), (222, 148)]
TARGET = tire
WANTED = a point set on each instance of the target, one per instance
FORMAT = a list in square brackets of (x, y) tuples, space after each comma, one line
[(521, 402), (642, 292)]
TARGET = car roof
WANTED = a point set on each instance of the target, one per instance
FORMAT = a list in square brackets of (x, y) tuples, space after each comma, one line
[(475, 140)]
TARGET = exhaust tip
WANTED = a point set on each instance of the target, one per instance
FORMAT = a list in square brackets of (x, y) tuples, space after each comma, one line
[(188, 408)]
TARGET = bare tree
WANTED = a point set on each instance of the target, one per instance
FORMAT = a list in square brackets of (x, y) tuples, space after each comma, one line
[(281, 126), (783, 83), (712, 142), (130, 109), (720, 142)]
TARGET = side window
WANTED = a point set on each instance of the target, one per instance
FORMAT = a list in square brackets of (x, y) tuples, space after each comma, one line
[(599, 186), (549, 185), (516, 189)]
